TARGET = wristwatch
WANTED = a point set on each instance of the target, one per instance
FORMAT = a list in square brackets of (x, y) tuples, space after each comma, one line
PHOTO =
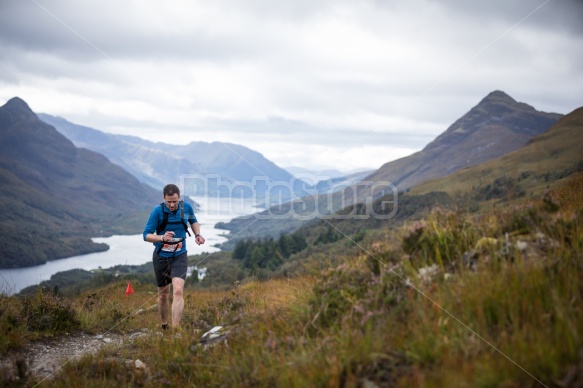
[(197, 235)]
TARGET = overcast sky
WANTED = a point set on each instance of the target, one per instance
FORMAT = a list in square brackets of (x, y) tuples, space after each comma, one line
[(319, 84)]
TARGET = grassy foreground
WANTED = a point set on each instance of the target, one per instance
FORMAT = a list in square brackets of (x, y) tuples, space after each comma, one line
[(452, 300)]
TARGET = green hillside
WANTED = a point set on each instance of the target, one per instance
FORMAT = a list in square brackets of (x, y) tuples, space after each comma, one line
[(54, 196), (549, 156), (454, 299), (449, 291), (156, 163), (495, 126)]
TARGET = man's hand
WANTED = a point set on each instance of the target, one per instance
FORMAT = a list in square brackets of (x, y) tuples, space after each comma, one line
[(167, 236), (199, 239)]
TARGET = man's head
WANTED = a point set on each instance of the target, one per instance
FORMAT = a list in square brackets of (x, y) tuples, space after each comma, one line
[(171, 196)]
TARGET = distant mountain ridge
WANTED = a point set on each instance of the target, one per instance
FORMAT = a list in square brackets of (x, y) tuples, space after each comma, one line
[(328, 173), (55, 196), (159, 163), (494, 127), (553, 154)]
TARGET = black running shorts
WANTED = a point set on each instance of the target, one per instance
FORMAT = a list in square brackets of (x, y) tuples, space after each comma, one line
[(167, 268)]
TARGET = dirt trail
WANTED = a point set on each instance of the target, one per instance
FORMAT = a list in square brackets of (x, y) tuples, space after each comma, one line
[(44, 358)]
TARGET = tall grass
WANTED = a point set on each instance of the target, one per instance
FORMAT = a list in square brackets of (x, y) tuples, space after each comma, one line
[(489, 300)]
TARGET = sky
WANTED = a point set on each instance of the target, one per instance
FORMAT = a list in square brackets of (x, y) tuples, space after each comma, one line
[(341, 84)]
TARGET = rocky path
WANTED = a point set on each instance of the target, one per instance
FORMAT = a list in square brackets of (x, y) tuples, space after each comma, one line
[(43, 359)]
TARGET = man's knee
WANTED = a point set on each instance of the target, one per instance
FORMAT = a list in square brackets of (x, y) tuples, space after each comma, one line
[(178, 291), (163, 294)]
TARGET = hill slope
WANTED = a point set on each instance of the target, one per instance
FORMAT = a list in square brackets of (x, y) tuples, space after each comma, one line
[(54, 196), (494, 127), (556, 152), (433, 304), (497, 125), (159, 163)]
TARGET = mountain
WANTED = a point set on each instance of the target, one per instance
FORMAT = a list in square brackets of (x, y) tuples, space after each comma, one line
[(327, 181), (338, 184), (552, 155), (328, 173), (145, 160), (497, 125), (159, 163), (494, 127), (55, 196)]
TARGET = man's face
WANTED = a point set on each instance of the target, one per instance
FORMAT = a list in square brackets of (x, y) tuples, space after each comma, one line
[(172, 201)]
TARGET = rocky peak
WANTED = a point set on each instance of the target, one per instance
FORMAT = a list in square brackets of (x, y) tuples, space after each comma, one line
[(498, 124), (16, 109), (499, 97), (496, 109)]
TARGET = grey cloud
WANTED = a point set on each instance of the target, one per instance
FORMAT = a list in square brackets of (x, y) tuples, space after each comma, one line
[(115, 29), (301, 69), (563, 15), (274, 129), (83, 33), (278, 129)]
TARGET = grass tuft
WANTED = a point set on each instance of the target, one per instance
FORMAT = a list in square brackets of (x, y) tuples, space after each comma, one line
[(456, 299)]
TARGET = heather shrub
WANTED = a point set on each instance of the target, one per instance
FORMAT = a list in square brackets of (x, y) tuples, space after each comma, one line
[(441, 239), (46, 312), (12, 323), (353, 292)]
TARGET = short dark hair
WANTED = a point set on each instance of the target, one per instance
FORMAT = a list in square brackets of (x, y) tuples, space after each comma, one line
[(171, 189)]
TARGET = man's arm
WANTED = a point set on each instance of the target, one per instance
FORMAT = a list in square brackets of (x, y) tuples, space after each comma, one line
[(196, 230), (194, 225), (149, 233), (154, 238)]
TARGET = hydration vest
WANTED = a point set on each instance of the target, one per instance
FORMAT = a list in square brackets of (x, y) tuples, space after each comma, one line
[(162, 227)]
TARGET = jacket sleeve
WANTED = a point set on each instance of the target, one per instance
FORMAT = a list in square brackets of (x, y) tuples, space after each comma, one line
[(152, 223)]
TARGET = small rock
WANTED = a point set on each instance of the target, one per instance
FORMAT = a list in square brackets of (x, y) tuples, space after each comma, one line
[(139, 364), (213, 333), (426, 273), (368, 384), (136, 335), (521, 245)]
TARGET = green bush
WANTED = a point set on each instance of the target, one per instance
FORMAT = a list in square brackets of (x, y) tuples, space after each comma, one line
[(46, 312), (12, 323), (353, 293), (442, 239)]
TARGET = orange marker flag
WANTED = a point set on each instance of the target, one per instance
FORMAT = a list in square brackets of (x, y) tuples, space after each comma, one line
[(129, 290)]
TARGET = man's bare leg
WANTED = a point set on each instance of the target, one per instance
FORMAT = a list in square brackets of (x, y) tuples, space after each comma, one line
[(164, 303), (177, 301)]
